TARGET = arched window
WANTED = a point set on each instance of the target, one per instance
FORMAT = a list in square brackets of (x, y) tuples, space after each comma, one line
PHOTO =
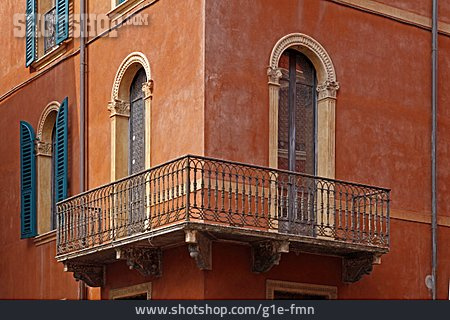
[(137, 123), (305, 141), (130, 116), (52, 163), (297, 114)]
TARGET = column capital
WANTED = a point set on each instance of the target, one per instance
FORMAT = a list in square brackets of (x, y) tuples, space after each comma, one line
[(147, 88), (327, 89), (43, 148), (119, 108), (274, 75)]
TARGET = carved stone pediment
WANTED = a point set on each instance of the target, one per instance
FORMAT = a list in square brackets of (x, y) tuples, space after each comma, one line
[(266, 254), (147, 261), (92, 274)]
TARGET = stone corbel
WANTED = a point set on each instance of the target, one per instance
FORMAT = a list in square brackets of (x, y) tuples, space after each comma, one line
[(147, 88), (266, 254), (355, 266), (274, 75), (328, 89), (93, 275), (200, 249), (147, 261), (43, 148), (119, 108)]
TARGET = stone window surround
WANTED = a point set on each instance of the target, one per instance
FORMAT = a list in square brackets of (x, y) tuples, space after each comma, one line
[(327, 88), (119, 108), (44, 166), (132, 291), (330, 292)]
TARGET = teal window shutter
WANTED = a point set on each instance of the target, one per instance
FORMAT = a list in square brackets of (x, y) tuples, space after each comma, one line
[(27, 182), (30, 51), (62, 20), (61, 152)]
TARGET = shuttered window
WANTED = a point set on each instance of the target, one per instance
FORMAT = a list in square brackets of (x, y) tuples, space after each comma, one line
[(61, 152), (30, 54), (62, 20), (27, 181), (55, 31)]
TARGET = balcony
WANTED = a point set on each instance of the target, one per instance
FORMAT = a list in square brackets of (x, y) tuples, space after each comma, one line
[(196, 200)]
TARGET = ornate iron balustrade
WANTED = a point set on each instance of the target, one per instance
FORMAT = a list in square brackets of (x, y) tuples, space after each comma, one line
[(209, 191)]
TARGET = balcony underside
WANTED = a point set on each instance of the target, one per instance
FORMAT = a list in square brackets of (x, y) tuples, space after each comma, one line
[(267, 249)]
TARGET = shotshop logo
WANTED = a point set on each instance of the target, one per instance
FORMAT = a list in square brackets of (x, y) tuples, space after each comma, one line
[(96, 24)]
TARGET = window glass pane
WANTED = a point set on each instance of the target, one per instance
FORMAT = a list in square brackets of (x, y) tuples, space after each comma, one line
[(304, 114), (137, 123)]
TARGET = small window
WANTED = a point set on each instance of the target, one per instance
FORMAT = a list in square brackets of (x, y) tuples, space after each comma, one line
[(285, 290), (138, 292), (47, 26), (288, 295)]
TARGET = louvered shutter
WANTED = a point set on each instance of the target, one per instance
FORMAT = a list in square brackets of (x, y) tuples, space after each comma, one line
[(62, 20), (27, 182), (61, 161), (30, 46)]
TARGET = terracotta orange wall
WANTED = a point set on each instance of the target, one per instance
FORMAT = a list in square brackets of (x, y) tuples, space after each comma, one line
[(172, 38), (383, 118), (383, 106), (173, 45), (27, 271)]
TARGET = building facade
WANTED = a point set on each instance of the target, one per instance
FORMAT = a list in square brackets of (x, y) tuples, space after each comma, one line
[(208, 149)]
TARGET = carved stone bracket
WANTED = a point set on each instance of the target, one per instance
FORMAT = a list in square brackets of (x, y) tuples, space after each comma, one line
[(266, 254), (274, 75), (147, 261), (147, 88), (92, 274), (119, 108), (328, 89), (357, 265), (43, 148), (200, 249)]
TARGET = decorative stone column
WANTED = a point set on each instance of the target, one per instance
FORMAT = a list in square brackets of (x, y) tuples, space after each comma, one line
[(326, 113), (120, 112), (274, 75), (147, 88)]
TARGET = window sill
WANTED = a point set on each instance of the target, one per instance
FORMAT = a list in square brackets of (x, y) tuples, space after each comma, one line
[(120, 10), (45, 238), (49, 57)]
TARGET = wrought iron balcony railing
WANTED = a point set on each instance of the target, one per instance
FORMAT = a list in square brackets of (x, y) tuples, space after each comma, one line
[(225, 194)]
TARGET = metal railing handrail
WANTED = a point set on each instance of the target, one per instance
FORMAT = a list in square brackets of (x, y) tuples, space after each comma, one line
[(187, 156)]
